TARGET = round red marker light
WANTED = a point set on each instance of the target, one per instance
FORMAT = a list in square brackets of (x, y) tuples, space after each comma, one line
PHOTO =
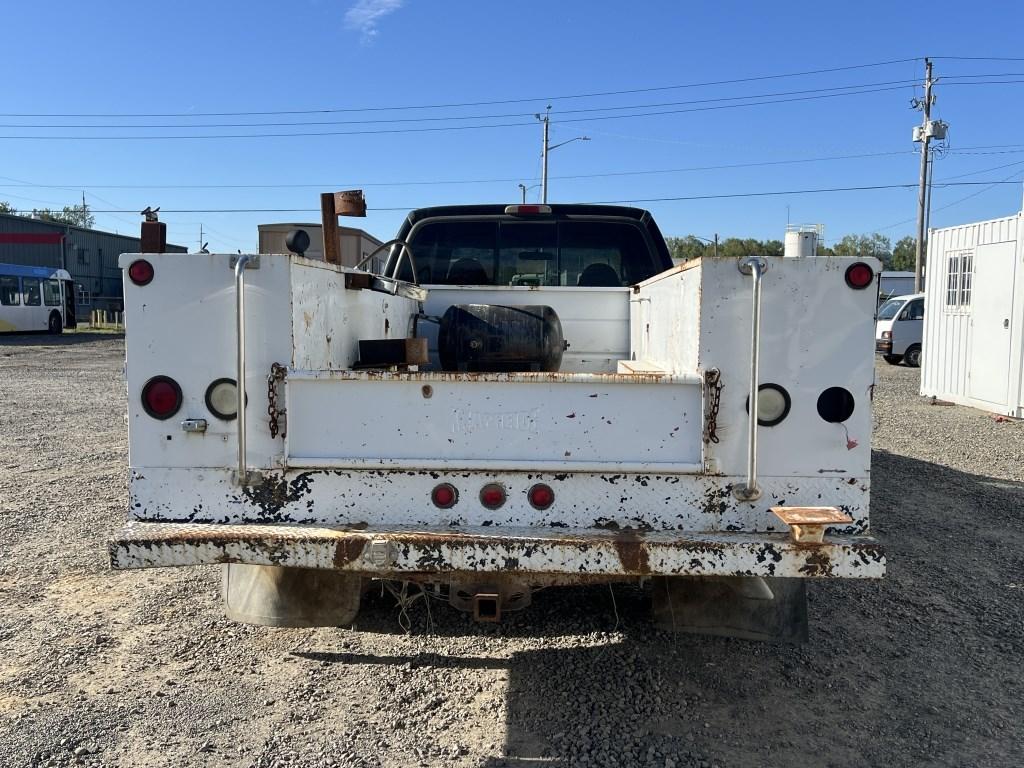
[(444, 496), (161, 397), (859, 275), (141, 272), (541, 496), (492, 495)]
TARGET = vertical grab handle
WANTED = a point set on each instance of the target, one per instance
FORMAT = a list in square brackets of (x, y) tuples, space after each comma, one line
[(755, 267), (243, 468)]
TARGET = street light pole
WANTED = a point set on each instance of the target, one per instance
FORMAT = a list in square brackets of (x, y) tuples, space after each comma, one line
[(546, 149), (524, 189), (709, 242), (544, 157)]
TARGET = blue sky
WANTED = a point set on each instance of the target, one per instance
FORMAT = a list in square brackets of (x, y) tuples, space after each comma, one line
[(189, 57)]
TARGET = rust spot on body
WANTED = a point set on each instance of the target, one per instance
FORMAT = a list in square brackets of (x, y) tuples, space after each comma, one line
[(632, 552), (349, 550), (818, 563)]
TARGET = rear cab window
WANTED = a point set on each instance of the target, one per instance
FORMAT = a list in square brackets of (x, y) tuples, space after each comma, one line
[(513, 251)]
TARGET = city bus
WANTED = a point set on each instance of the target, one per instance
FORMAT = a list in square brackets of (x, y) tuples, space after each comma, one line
[(36, 299)]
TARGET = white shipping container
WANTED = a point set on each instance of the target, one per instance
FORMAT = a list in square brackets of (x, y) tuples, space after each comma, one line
[(973, 346)]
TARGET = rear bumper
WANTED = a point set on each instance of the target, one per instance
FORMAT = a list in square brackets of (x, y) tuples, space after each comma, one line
[(398, 553)]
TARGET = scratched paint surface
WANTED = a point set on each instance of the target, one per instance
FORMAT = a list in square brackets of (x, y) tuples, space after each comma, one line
[(533, 552), (393, 498)]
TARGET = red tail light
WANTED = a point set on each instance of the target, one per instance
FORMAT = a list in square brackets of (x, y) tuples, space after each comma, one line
[(444, 496), (140, 272), (492, 495), (859, 275), (541, 496), (161, 397)]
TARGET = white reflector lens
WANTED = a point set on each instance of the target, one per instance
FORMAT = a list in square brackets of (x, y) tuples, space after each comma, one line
[(222, 399), (772, 404)]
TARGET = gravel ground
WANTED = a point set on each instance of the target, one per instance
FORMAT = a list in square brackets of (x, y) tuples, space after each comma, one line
[(141, 668)]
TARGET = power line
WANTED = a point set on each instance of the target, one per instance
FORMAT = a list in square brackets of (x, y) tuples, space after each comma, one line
[(978, 150), (978, 58), (865, 188), (595, 94), (985, 170), (446, 118), (990, 185), (994, 184), (328, 185), (980, 82), (985, 74), (305, 134), (763, 100)]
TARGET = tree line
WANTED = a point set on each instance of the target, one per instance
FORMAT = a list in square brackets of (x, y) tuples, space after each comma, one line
[(75, 215), (898, 257)]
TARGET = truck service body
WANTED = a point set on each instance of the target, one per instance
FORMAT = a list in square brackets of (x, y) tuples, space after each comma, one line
[(636, 458)]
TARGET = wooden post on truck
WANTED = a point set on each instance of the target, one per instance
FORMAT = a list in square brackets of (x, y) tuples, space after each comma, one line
[(333, 205), (154, 232)]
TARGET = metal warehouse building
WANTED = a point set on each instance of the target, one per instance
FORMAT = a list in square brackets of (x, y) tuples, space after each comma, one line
[(88, 254), (973, 344)]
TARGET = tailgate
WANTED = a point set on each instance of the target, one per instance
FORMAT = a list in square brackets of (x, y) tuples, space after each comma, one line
[(517, 421)]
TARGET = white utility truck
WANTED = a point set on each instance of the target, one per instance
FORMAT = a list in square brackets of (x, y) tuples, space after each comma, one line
[(528, 395)]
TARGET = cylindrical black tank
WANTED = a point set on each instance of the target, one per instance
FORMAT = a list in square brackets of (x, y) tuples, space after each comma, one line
[(492, 338)]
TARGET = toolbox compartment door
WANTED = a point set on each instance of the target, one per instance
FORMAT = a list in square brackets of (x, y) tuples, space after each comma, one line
[(487, 421)]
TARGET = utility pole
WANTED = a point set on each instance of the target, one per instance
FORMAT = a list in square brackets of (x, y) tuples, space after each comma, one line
[(922, 193), (546, 120), (522, 187), (200, 237)]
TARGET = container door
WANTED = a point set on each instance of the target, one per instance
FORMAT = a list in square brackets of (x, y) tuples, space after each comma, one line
[(991, 318)]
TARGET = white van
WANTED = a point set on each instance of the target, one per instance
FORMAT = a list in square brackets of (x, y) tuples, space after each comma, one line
[(898, 329)]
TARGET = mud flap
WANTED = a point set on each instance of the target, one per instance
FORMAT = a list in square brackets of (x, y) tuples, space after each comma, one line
[(769, 609), (289, 597)]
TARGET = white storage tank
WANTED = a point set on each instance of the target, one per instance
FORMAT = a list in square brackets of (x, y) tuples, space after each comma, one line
[(801, 241), (973, 339)]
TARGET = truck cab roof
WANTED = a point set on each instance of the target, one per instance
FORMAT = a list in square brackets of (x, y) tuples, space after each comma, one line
[(906, 297), (557, 209)]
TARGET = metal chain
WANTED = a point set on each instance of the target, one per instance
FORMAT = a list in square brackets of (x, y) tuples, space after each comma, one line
[(713, 379), (277, 373)]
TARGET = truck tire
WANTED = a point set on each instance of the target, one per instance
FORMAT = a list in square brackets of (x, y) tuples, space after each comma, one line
[(55, 325), (892, 359), (912, 357)]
